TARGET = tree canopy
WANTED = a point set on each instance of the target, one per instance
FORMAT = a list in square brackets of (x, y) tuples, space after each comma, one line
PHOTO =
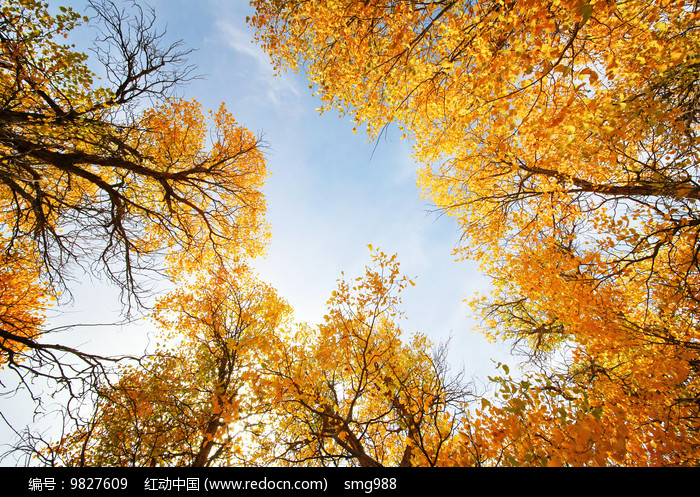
[(88, 174), (560, 136), (355, 391), (246, 385), (190, 402), (92, 178)]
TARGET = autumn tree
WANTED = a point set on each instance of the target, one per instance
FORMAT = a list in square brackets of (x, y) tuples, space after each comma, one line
[(86, 175), (246, 386), (562, 137), (353, 391), (591, 418), (191, 402), (107, 180)]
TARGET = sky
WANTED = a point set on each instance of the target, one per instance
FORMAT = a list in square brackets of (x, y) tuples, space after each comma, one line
[(330, 194)]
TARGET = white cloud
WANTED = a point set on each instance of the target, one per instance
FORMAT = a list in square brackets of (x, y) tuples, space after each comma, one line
[(279, 90)]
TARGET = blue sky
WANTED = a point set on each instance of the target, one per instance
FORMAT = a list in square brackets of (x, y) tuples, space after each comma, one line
[(331, 193)]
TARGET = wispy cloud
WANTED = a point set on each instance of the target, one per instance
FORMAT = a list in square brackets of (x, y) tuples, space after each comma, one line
[(279, 90)]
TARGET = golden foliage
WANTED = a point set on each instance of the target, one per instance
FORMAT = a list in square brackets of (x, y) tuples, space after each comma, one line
[(562, 137), (86, 181), (350, 391), (189, 403), (94, 180)]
